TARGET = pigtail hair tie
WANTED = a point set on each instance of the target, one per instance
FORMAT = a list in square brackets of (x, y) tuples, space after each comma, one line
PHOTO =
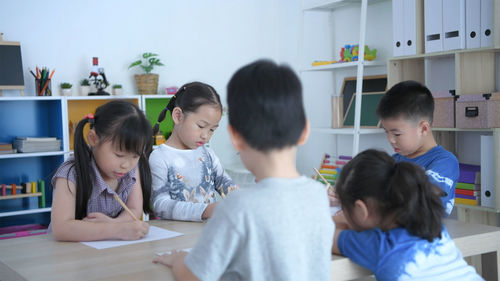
[(90, 118), (171, 103)]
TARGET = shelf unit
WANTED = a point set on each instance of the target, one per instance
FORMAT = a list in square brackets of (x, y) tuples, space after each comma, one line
[(467, 71), (34, 117), (55, 117), (347, 131), (152, 106), (322, 34)]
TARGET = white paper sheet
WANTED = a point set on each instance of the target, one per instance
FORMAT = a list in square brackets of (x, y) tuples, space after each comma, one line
[(155, 233), (187, 250)]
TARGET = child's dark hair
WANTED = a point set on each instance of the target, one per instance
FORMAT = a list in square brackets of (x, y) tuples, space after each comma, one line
[(409, 100), (125, 125), (399, 189), (265, 105), (189, 98)]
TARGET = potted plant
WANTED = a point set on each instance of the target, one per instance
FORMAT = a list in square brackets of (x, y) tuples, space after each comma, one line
[(84, 87), (147, 83), (66, 89), (117, 89)]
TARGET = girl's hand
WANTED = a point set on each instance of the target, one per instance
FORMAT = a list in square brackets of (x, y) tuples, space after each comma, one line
[(341, 221), (332, 196), (131, 230), (97, 217), (209, 210), (169, 259)]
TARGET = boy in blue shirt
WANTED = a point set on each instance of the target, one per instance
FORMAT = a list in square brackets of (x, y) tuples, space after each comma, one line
[(406, 113)]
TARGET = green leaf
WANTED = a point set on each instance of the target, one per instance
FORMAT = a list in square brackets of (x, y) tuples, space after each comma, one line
[(135, 63), (148, 55)]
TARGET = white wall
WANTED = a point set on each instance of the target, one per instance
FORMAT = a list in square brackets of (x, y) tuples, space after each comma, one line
[(196, 39)]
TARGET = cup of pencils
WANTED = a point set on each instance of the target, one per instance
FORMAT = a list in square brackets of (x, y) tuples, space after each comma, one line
[(42, 81)]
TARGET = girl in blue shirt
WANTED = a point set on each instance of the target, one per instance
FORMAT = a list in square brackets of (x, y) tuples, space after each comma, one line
[(394, 218)]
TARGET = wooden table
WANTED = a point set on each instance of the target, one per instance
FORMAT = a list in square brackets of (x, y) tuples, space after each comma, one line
[(41, 258)]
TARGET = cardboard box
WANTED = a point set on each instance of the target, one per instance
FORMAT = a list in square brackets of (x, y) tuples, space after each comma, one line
[(444, 109), (478, 111)]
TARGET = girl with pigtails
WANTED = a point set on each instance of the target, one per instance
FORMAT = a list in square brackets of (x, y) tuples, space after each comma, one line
[(392, 222), (186, 173), (111, 160)]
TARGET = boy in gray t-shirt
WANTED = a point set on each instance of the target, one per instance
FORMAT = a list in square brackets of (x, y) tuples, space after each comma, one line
[(281, 228)]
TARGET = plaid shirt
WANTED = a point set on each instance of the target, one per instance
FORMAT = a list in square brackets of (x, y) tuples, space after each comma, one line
[(101, 200)]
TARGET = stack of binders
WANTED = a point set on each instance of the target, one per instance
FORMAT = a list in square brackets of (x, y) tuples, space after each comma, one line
[(468, 188), (405, 30), (457, 24)]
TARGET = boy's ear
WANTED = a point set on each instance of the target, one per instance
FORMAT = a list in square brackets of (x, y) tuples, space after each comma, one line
[(236, 139), (425, 127), (92, 138), (305, 134), (177, 115)]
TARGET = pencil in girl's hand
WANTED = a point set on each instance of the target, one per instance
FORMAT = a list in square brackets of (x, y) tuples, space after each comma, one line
[(321, 176), (222, 193), (125, 207)]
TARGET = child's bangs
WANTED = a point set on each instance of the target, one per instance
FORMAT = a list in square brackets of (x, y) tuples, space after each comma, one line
[(131, 137)]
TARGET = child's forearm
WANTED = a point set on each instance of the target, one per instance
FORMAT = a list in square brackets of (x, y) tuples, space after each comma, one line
[(167, 208), (79, 230), (335, 247), (125, 217), (181, 271)]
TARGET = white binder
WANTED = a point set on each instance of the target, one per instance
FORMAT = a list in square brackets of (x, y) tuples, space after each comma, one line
[(472, 24), (433, 25), (486, 23), (397, 28), (409, 25), (453, 24), (487, 172)]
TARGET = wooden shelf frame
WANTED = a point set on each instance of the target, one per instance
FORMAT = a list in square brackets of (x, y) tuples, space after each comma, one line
[(23, 195)]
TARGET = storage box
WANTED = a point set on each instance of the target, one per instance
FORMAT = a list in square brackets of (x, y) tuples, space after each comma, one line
[(478, 111), (444, 109)]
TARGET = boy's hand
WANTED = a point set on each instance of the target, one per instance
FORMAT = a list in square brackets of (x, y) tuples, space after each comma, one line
[(132, 230), (97, 217), (169, 259), (209, 210)]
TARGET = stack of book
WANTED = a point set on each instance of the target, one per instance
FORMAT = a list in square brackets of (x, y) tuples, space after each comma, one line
[(468, 188), (6, 148), (28, 144)]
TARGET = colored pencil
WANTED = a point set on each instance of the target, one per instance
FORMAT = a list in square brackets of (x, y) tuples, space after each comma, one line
[(125, 207)]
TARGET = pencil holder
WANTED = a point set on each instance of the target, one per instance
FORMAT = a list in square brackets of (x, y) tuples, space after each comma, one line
[(43, 87)]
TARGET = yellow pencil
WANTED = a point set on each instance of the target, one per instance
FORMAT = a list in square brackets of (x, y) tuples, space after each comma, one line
[(125, 207), (321, 176)]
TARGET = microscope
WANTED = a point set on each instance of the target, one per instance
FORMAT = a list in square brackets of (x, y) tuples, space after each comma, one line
[(98, 78)]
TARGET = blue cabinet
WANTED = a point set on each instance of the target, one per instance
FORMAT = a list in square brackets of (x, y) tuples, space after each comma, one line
[(29, 117)]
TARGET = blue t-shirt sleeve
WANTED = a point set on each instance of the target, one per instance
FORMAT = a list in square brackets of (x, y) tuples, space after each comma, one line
[(363, 248), (444, 174)]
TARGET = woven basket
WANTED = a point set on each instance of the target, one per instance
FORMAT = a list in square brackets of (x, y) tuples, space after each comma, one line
[(147, 84)]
